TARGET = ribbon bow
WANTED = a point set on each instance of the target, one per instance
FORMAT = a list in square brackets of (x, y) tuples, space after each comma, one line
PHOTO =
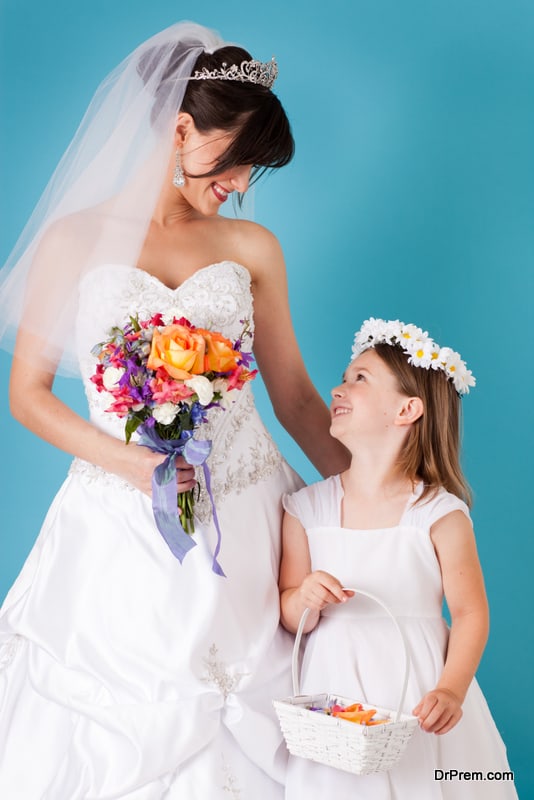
[(164, 489)]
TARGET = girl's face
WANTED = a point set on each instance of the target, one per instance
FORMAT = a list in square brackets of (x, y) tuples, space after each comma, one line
[(199, 155), (368, 400)]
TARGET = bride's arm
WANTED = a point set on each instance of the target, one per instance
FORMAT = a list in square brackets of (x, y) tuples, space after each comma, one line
[(35, 406), (296, 402)]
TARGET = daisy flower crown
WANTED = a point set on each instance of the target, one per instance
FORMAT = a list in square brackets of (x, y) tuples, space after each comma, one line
[(421, 350)]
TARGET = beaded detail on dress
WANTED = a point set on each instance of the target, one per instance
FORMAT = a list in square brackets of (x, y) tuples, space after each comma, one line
[(90, 473), (233, 471), (217, 297), (230, 471), (9, 650), (218, 674)]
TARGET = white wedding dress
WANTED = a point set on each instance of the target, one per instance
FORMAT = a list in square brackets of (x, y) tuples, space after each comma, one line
[(123, 673)]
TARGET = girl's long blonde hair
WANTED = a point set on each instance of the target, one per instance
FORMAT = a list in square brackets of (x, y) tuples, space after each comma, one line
[(431, 451)]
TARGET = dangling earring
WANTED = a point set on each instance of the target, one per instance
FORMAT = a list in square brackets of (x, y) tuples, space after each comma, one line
[(178, 179)]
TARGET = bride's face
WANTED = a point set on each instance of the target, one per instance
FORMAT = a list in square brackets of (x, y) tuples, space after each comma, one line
[(199, 154)]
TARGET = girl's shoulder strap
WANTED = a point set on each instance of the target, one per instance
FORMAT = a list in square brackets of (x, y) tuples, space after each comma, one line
[(316, 505), (436, 506)]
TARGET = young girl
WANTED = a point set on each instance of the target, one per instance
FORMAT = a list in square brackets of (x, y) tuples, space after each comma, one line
[(395, 524)]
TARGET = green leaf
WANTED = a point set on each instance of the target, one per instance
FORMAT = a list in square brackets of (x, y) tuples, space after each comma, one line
[(135, 323), (131, 426)]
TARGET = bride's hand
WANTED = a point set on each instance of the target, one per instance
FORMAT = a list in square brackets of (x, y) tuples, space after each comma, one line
[(185, 475), (141, 464), (34, 405)]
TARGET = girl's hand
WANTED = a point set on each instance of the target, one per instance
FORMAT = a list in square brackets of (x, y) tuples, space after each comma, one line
[(438, 711), (320, 589)]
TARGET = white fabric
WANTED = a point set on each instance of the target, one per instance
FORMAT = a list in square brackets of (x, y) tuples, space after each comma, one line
[(356, 652), (124, 674)]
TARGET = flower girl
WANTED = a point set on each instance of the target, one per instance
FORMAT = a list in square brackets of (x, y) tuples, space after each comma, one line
[(396, 524)]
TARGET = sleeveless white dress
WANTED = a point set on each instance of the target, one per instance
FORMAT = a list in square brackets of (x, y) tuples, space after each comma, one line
[(123, 673), (355, 651)]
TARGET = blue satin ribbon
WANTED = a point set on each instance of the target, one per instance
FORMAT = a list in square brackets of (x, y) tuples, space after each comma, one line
[(164, 503)]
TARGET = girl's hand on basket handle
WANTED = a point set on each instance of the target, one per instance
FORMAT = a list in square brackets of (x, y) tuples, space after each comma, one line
[(320, 589), (438, 711), (300, 588)]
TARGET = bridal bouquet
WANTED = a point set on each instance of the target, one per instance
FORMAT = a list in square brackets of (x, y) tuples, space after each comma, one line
[(162, 376)]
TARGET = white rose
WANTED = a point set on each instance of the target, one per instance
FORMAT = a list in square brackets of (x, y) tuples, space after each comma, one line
[(165, 413), (111, 377), (202, 387)]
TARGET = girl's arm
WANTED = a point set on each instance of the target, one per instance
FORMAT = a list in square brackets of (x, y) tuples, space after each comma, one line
[(295, 400), (35, 406), (299, 587), (463, 584)]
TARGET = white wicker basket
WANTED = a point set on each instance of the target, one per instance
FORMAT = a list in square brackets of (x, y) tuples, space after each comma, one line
[(337, 742)]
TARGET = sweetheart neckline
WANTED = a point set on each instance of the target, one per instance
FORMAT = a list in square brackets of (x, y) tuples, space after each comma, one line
[(184, 282)]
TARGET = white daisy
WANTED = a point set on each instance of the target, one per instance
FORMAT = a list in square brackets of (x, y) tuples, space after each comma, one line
[(411, 336), (422, 351), (463, 380)]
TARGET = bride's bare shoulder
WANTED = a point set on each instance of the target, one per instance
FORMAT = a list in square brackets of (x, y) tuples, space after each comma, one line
[(76, 234), (255, 243)]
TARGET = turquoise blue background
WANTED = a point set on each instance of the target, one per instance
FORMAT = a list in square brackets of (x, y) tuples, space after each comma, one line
[(411, 196)]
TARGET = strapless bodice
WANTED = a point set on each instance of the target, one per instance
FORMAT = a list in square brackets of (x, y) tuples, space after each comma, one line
[(217, 297)]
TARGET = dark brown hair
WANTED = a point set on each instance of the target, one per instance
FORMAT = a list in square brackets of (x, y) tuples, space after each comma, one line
[(431, 451), (252, 112), (263, 135)]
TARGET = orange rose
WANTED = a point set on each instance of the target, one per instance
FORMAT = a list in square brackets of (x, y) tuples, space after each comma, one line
[(220, 356), (178, 350)]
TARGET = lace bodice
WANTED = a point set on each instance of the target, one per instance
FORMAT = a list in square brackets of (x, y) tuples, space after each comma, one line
[(218, 297)]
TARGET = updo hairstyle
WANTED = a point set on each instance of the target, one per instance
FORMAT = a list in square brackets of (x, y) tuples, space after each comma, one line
[(251, 111)]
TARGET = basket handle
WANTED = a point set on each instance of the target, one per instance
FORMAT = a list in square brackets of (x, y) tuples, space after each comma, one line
[(298, 637)]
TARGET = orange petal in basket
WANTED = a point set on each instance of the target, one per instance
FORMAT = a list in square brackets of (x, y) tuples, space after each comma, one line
[(354, 707), (361, 717)]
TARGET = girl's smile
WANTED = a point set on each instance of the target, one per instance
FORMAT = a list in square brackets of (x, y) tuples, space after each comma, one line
[(339, 410)]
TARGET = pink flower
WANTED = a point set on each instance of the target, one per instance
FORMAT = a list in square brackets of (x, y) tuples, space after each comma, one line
[(240, 376), (97, 378), (168, 391), (153, 322)]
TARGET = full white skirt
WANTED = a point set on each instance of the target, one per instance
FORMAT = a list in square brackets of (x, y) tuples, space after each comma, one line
[(125, 674)]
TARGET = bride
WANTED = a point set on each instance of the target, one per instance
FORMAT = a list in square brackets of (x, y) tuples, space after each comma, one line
[(123, 672)]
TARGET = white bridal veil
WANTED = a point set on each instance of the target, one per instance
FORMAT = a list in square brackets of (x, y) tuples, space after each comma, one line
[(98, 203)]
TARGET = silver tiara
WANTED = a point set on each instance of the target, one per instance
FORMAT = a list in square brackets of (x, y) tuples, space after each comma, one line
[(263, 72)]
